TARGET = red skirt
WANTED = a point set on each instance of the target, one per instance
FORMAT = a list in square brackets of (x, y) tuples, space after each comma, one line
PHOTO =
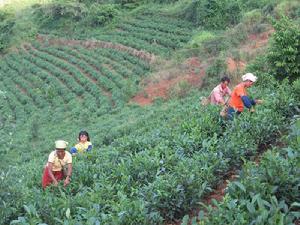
[(46, 180)]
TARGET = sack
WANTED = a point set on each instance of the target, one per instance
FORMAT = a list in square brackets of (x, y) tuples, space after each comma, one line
[(65, 170), (205, 101), (224, 111)]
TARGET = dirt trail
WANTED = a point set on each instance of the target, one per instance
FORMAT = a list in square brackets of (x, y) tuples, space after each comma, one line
[(218, 193)]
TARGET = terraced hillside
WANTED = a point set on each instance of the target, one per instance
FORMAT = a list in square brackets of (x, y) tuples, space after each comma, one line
[(38, 77), (154, 33), (93, 75)]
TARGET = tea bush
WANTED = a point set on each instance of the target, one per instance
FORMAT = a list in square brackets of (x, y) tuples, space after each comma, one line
[(264, 193)]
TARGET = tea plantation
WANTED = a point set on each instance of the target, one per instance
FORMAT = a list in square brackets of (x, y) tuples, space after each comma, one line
[(67, 66)]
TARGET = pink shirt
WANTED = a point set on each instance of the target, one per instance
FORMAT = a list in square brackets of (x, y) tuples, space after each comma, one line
[(218, 94)]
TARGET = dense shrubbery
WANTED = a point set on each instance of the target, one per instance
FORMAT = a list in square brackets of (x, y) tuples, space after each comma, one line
[(267, 193), (257, 4), (62, 13), (153, 168), (7, 22), (101, 14), (148, 164), (58, 10), (284, 54), (216, 14)]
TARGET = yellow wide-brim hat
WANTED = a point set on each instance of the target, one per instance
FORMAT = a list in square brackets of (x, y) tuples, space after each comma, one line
[(61, 144)]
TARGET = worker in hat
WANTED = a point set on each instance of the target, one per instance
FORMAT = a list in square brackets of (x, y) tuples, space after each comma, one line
[(84, 143), (239, 97), (59, 165)]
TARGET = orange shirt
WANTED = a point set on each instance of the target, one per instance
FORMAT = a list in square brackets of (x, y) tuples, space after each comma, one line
[(236, 97)]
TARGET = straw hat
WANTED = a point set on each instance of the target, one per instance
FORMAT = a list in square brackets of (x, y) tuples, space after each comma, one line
[(60, 144), (249, 76)]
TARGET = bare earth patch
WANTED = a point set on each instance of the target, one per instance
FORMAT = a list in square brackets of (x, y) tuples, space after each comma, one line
[(235, 66), (192, 73)]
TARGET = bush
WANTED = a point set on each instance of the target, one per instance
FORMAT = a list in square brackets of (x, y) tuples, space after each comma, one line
[(296, 88), (7, 22), (214, 72), (199, 38), (217, 68), (252, 17), (215, 14), (256, 4), (100, 14), (60, 10), (284, 53), (180, 90), (288, 8)]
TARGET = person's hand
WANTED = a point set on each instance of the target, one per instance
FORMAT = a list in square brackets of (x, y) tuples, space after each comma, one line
[(67, 181), (222, 103), (258, 101), (252, 110), (55, 183)]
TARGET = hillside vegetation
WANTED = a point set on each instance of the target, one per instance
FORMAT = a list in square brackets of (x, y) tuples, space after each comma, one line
[(69, 65)]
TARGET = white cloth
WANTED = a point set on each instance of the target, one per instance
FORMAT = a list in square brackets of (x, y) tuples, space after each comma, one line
[(249, 76)]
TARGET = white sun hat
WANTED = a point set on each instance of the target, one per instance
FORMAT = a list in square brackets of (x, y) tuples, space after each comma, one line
[(60, 144), (249, 76)]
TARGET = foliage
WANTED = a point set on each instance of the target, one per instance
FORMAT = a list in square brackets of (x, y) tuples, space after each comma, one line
[(7, 22), (257, 4), (149, 165), (252, 17), (214, 14), (284, 53), (100, 14), (181, 89), (60, 9), (217, 68), (288, 8), (265, 193), (198, 39), (159, 161)]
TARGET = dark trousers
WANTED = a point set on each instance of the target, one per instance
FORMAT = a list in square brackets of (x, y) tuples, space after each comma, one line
[(231, 112)]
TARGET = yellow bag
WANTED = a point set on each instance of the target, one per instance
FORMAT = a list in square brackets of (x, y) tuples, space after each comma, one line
[(205, 101)]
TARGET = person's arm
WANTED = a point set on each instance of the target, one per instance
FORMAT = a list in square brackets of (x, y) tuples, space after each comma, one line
[(89, 147), (67, 180), (73, 150), (248, 103), (50, 166), (228, 91)]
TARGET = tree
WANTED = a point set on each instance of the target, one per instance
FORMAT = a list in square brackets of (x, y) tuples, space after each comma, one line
[(284, 52)]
